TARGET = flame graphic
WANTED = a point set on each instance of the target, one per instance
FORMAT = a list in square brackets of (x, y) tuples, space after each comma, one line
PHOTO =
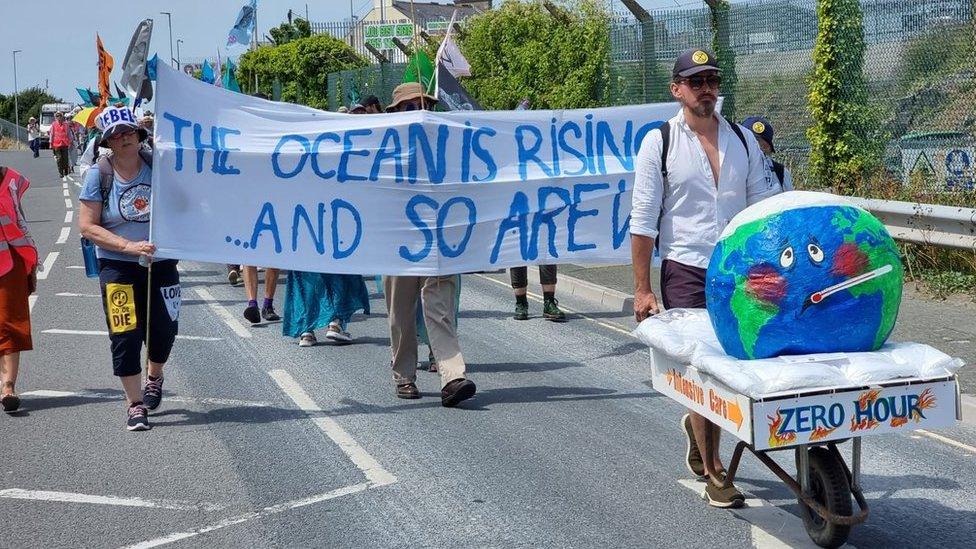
[(898, 421), (821, 433), (926, 400), (670, 377), (863, 401), (776, 439)]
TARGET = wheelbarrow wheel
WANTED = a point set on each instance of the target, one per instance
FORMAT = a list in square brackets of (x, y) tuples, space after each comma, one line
[(830, 488)]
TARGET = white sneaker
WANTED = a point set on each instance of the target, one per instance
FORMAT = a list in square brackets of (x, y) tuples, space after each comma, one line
[(307, 339), (337, 334)]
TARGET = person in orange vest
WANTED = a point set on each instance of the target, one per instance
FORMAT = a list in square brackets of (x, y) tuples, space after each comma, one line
[(18, 279), (60, 143)]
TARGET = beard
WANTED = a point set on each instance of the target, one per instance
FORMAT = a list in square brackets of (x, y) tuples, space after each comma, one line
[(705, 108)]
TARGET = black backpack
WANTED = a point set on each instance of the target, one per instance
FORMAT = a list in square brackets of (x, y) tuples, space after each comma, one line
[(780, 170), (666, 142)]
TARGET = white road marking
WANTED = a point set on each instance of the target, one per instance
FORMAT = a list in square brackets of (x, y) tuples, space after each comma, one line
[(63, 237), (64, 186), (375, 473), (225, 315), (772, 527), (31, 300), (116, 396), (45, 269), (71, 179), (946, 440), (67, 203), (247, 517), (68, 216), (77, 184), (66, 191), (70, 497), (69, 294), (103, 333)]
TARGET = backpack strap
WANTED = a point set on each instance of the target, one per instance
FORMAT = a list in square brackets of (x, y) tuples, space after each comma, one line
[(146, 154), (665, 129), (106, 176), (780, 170), (738, 133)]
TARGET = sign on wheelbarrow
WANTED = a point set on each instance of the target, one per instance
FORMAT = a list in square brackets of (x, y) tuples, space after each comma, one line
[(876, 410)]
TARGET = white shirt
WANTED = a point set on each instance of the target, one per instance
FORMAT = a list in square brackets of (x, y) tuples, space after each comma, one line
[(687, 212)]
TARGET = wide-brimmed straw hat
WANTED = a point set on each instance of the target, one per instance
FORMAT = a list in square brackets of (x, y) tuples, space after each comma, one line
[(408, 92)]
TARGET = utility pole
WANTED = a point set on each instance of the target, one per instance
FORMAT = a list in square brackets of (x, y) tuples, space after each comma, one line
[(16, 104), (179, 59), (169, 20)]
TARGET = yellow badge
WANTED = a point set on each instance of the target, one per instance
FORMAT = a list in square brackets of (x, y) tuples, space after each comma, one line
[(121, 303), (699, 57), (758, 127)]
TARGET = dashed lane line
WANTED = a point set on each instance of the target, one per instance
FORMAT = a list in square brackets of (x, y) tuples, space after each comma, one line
[(31, 300), (67, 192), (68, 204), (48, 264), (70, 294), (68, 216), (63, 237), (57, 331), (71, 497), (224, 315), (946, 440)]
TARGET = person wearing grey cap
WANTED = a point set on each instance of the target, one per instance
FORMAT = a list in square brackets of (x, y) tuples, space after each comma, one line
[(776, 172), (691, 178)]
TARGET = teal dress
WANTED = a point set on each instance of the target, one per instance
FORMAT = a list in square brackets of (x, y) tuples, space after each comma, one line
[(313, 300)]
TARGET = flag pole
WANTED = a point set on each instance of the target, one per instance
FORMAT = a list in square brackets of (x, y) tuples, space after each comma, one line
[(255, 33), (416, 58)]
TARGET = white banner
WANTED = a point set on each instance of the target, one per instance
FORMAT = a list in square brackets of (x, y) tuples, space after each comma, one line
[(242, 180)]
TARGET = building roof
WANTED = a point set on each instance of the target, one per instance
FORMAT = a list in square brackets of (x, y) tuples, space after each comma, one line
[(433, 11)]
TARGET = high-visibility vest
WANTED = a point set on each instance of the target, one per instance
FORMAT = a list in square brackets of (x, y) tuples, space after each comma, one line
[(59, 135), (12, 238)]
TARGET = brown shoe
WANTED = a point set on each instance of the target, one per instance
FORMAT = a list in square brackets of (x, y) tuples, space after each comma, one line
[(725, 498), (456, 391), (408, 391), (693, 457)]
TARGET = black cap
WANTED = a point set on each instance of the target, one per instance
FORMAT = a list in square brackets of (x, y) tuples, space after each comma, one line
[(762, 128), (694, 61)]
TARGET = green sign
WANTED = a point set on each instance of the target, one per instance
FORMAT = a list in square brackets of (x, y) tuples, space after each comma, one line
[(381, 35), (437, 26)]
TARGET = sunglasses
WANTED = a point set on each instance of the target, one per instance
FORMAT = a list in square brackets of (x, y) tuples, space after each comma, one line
[(698, 82), (122, 134), (415, 106)]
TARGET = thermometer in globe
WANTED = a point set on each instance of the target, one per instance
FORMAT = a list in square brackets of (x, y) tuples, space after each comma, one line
[(817, 297)]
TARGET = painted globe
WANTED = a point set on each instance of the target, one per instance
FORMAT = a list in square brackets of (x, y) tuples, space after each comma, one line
[(801, 273)]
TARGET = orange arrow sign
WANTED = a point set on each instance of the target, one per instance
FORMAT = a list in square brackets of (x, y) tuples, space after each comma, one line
[(735, 413)]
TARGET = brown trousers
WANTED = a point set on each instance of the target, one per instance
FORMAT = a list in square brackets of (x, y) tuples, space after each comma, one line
[(437, 295)]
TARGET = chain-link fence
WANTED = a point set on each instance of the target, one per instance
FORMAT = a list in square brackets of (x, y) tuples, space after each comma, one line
[(11, 131), (918, 70)]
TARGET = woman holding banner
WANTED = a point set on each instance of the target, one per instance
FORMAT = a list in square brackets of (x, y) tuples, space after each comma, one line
[(141, 303)]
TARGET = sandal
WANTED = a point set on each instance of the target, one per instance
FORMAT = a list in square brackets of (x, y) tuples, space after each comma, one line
[(10, 403)]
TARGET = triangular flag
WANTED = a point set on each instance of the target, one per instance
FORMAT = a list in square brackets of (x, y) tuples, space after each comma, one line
[(151, 67), (207, 74), (230, 79), (218, 71), (420, 64), (105, 64), (134, 63)]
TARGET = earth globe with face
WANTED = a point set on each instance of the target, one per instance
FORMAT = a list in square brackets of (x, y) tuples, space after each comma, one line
[(802, 273)]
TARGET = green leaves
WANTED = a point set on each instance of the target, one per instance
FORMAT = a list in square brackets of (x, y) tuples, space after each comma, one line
[(522, 50)]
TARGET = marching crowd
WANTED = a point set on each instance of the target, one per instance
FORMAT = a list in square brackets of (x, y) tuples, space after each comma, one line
[(691, 178)]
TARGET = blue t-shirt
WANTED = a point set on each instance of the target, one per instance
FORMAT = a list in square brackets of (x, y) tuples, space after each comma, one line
[(127, 212)]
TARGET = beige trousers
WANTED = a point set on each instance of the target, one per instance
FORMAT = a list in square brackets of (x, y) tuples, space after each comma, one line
[(437, 294)]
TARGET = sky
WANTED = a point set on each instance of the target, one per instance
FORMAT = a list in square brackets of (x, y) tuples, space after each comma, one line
[(64, 57)]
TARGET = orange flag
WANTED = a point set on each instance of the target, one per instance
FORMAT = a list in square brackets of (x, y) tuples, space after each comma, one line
[(105, 64)]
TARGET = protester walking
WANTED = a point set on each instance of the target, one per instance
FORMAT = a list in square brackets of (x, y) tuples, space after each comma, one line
[(114, 213), (34, 136), (317, 300), (691, 178), (437, 297), (18, 279), (252, 313), (520, 283), (776, 172), (61, 143)]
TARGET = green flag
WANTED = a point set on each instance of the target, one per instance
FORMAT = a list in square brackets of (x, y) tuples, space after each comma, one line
[(230, 78), (419, 60)]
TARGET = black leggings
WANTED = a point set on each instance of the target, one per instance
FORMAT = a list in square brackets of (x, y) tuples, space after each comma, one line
[(520, 276), (124, 296)]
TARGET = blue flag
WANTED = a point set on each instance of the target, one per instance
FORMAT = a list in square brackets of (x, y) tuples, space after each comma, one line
[(207, 74), (230, 79), (151, 67), (240, 33), (86, 98)]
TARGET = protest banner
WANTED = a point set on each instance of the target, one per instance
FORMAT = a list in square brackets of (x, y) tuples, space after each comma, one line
[(241, 180)]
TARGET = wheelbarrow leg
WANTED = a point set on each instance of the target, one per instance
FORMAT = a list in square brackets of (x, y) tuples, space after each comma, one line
[(803, 468), (856, 465)]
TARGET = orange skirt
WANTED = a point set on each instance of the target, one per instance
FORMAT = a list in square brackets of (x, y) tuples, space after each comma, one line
[(15, 328)]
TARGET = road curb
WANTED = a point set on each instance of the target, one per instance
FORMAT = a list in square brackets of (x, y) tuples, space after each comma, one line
[(567, 285), (968, 406)]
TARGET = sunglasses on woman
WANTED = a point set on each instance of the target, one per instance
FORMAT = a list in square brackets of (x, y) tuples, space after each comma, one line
[(698, 82)]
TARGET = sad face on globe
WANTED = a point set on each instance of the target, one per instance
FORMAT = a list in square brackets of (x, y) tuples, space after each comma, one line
[(803, 273)]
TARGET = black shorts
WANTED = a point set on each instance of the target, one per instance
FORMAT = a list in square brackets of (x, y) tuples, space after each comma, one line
[(682, 286), (124, 297)]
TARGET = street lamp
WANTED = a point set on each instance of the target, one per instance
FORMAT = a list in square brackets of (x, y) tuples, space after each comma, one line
[(179, 62), (169, 22), (16, 104)]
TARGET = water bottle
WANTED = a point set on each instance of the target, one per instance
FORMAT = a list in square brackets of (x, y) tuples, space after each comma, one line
[(91, 260)]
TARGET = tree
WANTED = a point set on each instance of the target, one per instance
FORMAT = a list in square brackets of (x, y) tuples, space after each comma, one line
[(287, 32), (557, 57), (29, 101), (722, 46), (302, 66), (845, 138)]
